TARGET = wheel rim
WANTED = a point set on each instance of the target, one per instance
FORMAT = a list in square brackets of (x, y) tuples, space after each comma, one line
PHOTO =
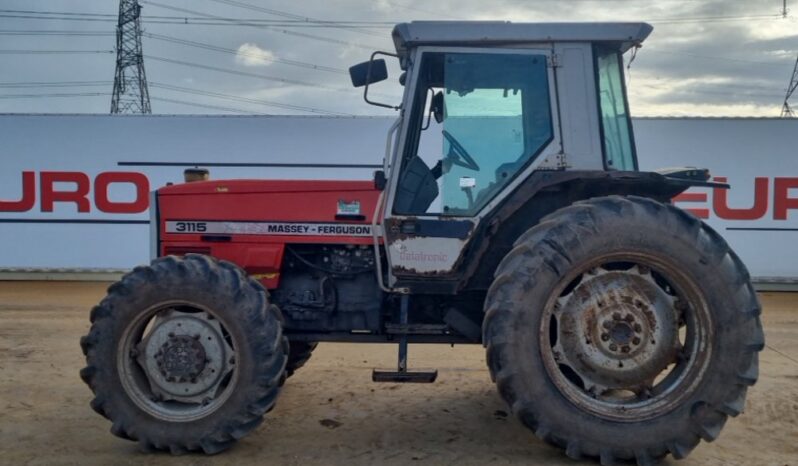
[(177, 361), (626, 337)]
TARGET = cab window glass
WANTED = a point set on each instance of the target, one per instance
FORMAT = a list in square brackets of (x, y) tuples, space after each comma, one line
[(616, 126), (495, 117)]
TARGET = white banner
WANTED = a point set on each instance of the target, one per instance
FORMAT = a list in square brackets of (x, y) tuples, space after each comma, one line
[(74, 188)]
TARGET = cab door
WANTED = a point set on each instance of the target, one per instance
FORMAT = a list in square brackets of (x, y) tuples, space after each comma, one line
[(477, 123)]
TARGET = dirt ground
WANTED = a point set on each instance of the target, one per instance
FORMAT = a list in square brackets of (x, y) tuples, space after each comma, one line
[(330, 413)]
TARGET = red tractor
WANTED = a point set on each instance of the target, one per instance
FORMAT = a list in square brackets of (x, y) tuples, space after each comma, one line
[(510, 213)]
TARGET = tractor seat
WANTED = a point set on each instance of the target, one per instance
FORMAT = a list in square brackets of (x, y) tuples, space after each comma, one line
[(417, 188)]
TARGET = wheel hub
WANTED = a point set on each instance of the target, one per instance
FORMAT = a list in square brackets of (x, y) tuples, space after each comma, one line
[(185, 357), (181, 357), (617, 330)]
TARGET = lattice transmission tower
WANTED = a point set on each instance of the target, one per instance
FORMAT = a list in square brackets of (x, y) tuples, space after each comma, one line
[(130, 82), (786, 110)]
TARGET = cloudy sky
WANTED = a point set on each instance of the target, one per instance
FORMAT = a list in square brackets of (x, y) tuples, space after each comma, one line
[(705, 57)]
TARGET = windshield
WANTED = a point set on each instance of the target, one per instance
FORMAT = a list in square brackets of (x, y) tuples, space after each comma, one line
[(495, 114)]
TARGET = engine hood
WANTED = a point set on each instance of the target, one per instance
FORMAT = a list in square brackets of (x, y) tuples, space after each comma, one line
[(281, 211), (266, 186)]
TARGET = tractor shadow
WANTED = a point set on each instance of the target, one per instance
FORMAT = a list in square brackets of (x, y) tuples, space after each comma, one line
[(327, 416)]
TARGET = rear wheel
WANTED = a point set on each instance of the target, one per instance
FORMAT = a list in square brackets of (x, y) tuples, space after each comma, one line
[(623, 329), (185, 354)]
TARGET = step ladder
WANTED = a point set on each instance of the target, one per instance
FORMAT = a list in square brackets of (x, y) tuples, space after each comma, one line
[(402, 375)]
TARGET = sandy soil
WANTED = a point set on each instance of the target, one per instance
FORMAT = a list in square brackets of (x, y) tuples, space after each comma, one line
[(330, 413)]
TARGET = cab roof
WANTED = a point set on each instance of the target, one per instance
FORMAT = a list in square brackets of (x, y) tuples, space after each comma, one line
[(495, 33)]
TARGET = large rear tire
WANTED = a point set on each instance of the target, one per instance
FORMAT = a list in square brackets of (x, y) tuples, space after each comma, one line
[(184, 354), (621, 328)]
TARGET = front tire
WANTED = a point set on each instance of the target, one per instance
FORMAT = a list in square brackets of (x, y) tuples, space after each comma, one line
[(621, 328), (184, 354), (298, 354)]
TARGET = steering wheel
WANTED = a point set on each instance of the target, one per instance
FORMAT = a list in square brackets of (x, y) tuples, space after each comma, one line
[(458, 155)]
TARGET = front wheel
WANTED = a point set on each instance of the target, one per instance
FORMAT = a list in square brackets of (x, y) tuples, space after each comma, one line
[(298, 354), (623, 329), (184, 354)]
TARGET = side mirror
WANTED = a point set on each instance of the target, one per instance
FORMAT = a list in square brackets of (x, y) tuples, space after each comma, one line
[(368, 72), (437, 106)]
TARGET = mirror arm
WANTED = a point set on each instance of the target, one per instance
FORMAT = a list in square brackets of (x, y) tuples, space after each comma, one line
[(368, 77)]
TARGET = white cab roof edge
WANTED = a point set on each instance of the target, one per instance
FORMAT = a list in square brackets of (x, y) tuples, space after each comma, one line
[(486, 33)]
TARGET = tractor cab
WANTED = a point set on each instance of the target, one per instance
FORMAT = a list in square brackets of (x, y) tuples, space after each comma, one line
[(487, 105)]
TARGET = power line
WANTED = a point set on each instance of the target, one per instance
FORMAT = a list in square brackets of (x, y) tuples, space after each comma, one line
[(269, 103), (295, 82), (710, 19), (285, 14), (265, 57), (61, 13), (686, 19), (54, 33), (710, 57), (51, 52), (54, 84), (177, 101), (439, 14), (212, 107), (188, 21), (54, 95), (199, 21), (260, 26), (56, 18), (299, 22)]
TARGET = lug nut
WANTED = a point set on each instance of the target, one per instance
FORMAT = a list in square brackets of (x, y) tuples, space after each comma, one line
[(638, 328), (193, 380), (625, 349), (604, 337), (613, 347), (636, 340), (607, 324), (171, 334), (170, 379), (629, 318), (616, 316)]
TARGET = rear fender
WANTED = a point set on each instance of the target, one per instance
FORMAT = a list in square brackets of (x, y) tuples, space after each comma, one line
[(545, 192)]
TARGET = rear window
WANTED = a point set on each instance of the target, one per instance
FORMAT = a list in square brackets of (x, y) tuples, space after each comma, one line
[(616, 126)]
